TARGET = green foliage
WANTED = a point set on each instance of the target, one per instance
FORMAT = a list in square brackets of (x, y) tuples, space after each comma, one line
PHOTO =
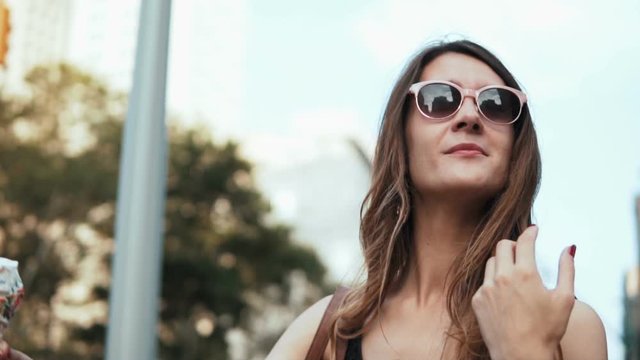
[(224, 261)]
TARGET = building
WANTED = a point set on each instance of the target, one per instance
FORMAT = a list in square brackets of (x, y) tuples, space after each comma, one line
[(321, 198), (207, 51), (631, 336), (98, 36), (39, 34)]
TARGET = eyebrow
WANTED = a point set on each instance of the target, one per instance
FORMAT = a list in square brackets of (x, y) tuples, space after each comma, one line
[(462, 86)]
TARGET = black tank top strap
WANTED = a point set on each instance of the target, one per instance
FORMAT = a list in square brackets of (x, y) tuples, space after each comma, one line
[(354, 349)]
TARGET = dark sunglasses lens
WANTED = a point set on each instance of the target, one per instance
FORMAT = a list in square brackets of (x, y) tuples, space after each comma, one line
[(499, 105), (438, 100)]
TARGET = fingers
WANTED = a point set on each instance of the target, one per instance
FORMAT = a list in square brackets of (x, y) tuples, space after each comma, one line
[(505, 257), (525, 248), (7, 353), (490, 271), (17, 355), (4, 350), (566, 272)]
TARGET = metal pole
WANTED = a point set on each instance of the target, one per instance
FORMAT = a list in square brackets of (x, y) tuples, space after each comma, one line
[(139, 225)]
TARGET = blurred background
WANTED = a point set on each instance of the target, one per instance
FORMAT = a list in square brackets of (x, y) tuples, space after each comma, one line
[(273, 111)]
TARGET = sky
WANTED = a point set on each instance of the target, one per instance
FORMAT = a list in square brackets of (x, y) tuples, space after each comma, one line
[(314, 73), (292, 80)]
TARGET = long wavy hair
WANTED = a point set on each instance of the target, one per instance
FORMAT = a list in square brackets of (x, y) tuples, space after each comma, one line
[(385, 213)]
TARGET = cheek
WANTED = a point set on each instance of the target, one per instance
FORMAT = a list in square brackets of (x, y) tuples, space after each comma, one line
[(420, 166), (505, 155), (423, 163)]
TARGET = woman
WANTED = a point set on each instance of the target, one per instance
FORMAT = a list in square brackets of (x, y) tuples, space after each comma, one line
[(445, 230)]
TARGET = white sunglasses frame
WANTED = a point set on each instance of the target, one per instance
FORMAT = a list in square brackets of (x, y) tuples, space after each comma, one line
[(473, 93)]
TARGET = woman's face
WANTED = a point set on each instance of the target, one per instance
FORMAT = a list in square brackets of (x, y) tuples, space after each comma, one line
[(436, 173)]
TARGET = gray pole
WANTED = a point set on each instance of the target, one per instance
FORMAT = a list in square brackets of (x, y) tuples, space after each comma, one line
[(133, 310)]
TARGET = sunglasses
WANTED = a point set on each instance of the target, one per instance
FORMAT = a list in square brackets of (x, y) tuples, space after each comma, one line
[(441, 99)]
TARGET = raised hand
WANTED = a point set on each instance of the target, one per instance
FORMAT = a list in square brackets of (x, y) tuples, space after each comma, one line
[(519, 317)]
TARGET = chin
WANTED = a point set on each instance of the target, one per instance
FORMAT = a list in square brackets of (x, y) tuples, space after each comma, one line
[(470, 180), (470, 187)]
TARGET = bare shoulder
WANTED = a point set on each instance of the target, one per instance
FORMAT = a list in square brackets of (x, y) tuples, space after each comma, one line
[(585, 338), (295, 341)]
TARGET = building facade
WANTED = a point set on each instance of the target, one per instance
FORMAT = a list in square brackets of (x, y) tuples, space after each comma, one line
[(631, 336)]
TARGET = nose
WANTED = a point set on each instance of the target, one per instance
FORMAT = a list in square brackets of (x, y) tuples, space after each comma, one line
[(468, 117)]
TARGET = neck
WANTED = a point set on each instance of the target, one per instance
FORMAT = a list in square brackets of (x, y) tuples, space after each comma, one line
[(441, 232)]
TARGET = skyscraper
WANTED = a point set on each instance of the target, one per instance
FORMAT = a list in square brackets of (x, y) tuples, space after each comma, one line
[(631, 336), (39, 34)]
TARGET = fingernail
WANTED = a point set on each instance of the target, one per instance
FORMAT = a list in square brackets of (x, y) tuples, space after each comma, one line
[(572, 251)]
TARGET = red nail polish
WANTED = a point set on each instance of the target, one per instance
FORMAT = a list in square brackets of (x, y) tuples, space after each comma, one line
[(572, 251)]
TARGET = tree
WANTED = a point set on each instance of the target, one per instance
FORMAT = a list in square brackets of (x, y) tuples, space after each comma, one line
[(226, 261)]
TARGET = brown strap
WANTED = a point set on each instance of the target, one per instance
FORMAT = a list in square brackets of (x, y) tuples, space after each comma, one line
[(559, 353), (321, 338), (341, 348)]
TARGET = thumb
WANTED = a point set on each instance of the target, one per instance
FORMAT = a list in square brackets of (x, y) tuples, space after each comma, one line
[(566, 270), (4, 350), (17, 355)]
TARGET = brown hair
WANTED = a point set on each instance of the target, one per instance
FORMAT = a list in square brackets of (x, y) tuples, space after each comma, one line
[(385, 232)]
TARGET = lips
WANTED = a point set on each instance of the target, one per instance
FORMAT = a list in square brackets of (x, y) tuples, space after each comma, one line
[(467, 147)]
